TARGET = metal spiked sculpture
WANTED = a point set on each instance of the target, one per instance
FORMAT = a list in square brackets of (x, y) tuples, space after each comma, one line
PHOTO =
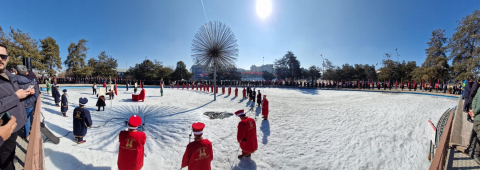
[(214, 45)]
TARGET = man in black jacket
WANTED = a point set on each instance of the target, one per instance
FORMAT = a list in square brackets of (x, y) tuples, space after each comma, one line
[(25, 80), (10, 96), (466, 94), (472, 93)]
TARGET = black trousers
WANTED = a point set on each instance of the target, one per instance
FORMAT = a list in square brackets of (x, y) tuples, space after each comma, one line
[(94, 91), (7, 152)]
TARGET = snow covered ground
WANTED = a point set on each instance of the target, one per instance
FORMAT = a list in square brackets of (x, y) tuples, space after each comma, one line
[(307, 129)]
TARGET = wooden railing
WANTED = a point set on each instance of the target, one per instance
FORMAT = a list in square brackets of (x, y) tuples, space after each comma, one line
[(34, 157), (438, 162)]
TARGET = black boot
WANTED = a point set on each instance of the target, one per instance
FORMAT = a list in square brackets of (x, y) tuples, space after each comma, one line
[(98, 108)]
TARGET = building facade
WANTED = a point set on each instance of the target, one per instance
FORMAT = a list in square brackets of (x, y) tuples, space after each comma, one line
[(260, 69), (199, 73)]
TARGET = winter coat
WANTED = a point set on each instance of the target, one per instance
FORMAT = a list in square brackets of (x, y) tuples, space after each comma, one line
[(476, 107), (81, 121), (472, 94), (247, 135), (23, 83), (9, 101), (131, 150), (466, 92), (198, 155)]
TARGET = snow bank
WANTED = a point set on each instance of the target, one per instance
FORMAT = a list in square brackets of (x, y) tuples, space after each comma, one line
[(307, 129)]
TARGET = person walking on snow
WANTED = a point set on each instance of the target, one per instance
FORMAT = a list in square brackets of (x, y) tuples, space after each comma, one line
[(246, 134), (199, 153), (244, 93), (81, 121), (94, 88), (236, 91), (131, 148), (265, 107), (64, 104), (259, 98)]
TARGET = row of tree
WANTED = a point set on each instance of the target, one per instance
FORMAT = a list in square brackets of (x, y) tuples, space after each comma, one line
[(46, 56), (463, 48), (154, 70)]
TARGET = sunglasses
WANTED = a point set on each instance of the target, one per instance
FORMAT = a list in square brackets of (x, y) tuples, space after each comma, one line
[(4, 57)]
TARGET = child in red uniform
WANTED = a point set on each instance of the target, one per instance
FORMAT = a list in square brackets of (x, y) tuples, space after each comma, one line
[(265, 107), (236, 91), (244, 93), (199, 153), (131, 151), (247, 134)]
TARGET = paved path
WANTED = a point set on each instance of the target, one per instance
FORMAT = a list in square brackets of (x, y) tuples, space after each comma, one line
[(459, 160), (20, 152)]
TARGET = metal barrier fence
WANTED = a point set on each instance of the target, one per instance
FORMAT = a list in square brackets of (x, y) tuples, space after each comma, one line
[(34, 158), (438, 162)]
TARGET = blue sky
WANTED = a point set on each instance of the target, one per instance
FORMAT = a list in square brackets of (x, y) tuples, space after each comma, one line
[(344, 31)]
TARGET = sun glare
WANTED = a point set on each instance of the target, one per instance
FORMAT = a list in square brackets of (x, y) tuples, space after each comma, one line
[(264, 8)]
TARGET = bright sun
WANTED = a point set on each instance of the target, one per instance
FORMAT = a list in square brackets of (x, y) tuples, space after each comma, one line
[(264, 8)]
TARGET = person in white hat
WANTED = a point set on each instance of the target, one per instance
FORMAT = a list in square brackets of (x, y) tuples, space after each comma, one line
[(199, 153), (81, 121)]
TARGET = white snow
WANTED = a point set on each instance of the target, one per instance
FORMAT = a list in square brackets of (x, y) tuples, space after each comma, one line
[(307, 129)]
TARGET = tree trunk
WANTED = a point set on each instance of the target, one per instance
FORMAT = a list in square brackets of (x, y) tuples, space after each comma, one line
[(215, 79)]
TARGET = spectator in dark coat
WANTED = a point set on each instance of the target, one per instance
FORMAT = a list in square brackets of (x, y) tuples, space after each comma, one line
[(24, 82), (10, 96), (473, 92), (466, 93)]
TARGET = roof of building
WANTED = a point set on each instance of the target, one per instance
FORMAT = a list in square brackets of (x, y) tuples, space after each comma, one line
[(121, 70)]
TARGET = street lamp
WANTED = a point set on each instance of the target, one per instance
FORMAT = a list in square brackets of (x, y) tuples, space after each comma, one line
[(323, 67)]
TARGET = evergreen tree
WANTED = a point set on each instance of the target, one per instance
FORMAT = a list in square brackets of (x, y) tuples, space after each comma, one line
[(21, 45), (51, 55), (435, 66), (288, 67), (105, 66), (267, 76), (75, 62), (181, 72), (465, 47)]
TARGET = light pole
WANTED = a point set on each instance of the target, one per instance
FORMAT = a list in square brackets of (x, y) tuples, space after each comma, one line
[(323, 67)]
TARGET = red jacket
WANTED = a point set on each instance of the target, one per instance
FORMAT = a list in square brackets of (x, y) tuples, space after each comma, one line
[(244, 93), (265, 107), (236, 92), (229, 90), (131, 152), (223, 89), (198, 155), (247, 131), (116, 90)]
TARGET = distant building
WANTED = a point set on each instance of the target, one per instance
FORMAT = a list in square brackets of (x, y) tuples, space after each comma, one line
[(260, 69), (121, 72), (199, 73), (241, 70)]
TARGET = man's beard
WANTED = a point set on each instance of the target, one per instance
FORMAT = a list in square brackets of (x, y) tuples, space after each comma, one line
[(3, 65)]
